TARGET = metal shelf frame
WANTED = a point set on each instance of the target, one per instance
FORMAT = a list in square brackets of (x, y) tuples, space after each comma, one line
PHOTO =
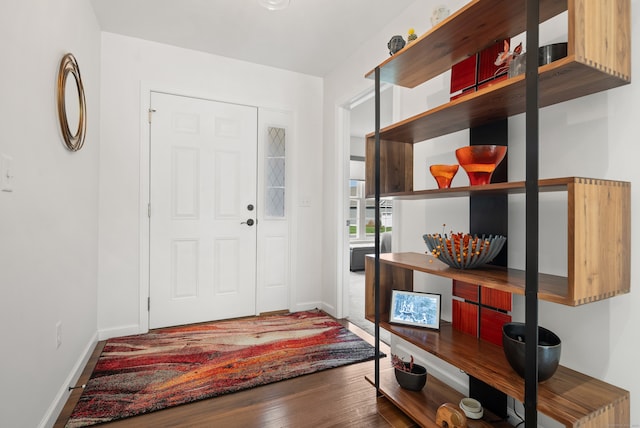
[(532, 216)]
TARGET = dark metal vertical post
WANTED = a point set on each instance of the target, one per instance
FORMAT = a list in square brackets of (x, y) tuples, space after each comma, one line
[(531, 197), (376, 298)]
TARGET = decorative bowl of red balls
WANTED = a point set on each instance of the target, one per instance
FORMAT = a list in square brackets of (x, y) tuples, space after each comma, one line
[(463, 250)]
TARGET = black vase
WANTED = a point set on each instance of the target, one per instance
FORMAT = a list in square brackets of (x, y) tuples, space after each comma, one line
[(549, 348), (414, 380)]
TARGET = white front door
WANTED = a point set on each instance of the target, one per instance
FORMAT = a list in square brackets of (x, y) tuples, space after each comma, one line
[(202, 210)]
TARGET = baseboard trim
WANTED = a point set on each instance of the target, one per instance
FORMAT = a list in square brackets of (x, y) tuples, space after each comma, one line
[(307, 306), (330, 309), (51, 415), (126, 330)]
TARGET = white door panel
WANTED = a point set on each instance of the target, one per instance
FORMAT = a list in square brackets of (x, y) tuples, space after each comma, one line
[(274, 259), (202, 180)]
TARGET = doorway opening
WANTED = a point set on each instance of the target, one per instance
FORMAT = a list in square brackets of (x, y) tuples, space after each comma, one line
[(359, 120)]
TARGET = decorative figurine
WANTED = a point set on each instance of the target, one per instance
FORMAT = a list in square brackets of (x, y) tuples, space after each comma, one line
[(395, 44), (505, 57), (412, 35)]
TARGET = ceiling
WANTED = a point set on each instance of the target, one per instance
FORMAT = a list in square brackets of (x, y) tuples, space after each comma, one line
[(310, 36)]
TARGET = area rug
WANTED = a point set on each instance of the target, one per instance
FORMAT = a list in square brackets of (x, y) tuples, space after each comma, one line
[(139, 374)]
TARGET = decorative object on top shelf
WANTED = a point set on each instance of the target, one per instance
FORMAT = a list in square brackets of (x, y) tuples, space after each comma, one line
[(553, 52), (464, 251), (409, 375), (411, 35), (478, 70), (480, 161), (549, 347), (471, 408), (505, 57), (439, 14), (395, 44), (517, 66), (443, 174), (546, 55)]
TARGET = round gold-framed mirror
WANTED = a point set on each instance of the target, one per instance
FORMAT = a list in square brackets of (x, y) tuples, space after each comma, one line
[(72, 109)]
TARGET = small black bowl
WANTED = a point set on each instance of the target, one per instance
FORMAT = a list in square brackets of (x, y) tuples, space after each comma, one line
[(414, 380), (549, 346)]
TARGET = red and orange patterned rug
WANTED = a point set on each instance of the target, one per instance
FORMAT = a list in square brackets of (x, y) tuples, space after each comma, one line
[(171, 366)]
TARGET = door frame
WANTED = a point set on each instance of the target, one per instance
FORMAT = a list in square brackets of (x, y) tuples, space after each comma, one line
[(146, 88), (343, 143)]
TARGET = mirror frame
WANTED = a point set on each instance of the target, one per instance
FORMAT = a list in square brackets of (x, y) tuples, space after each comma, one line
[(73, 140)]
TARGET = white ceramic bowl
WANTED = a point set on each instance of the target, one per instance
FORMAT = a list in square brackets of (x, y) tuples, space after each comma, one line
[(472, 408)]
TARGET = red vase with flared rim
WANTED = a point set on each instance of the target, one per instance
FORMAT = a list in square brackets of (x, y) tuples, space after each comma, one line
[(480, 161), (443, 174)]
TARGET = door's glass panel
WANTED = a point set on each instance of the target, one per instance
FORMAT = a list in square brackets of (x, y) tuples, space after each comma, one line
[(275, 169)]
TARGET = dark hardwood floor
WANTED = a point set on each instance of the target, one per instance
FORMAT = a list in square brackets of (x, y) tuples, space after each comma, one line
[(339, 397)]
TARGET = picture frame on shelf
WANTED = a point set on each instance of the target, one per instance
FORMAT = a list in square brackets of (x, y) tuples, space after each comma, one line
[(415, 309)]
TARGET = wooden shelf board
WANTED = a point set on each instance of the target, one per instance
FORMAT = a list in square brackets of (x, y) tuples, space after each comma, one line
[(569, 397), (462, 34), (422, 406), (551, 287), (510, 188), (562, 80)]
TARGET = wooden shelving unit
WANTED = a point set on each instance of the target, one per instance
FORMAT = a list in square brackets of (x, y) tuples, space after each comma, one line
[(569, 397), (562, 80), (591, 66), (598, 252), (598, 210), (480, 23), (430, 398)]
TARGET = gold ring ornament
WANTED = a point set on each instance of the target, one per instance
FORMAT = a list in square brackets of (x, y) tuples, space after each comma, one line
[(71, 103)]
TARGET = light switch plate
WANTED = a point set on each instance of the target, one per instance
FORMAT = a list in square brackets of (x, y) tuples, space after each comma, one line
[(6, 173)]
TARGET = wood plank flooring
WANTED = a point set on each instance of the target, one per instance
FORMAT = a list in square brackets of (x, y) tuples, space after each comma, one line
[(339, 397)]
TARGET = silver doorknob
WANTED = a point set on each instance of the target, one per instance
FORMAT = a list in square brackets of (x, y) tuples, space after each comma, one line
[(249, 222)]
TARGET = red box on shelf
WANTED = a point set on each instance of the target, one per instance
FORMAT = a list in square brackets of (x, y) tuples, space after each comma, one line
[(491, 322), (482, 313), (477, 71), (463, 74), (466, 290), (465, 317), (487, 68), (496, 298)]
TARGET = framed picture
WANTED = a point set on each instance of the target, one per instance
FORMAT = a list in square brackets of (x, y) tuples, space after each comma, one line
[(415, 308)]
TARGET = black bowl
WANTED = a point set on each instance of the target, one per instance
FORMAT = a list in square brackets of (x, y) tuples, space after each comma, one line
[(549, 53), (549, 346), (414, 380)]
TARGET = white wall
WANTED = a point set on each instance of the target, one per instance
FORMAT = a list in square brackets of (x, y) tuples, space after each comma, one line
[(49, 223), (128, 64), (595, 136)]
